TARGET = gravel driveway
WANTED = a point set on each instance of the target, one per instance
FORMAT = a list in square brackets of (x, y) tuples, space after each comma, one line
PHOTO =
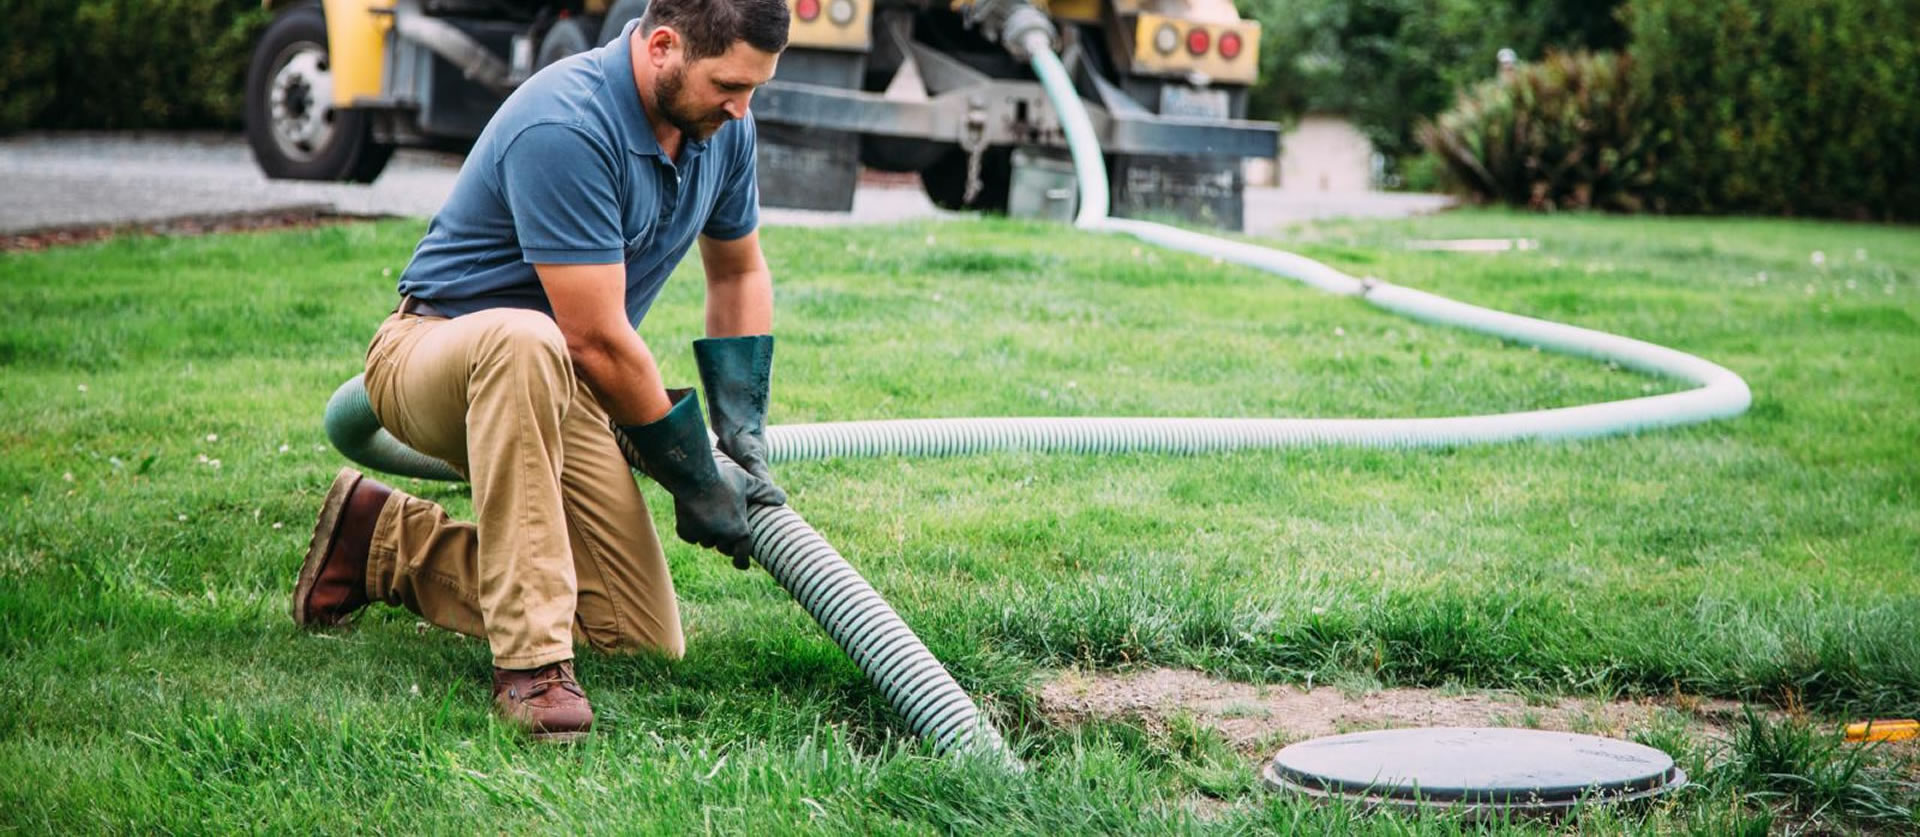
[(68, 180)]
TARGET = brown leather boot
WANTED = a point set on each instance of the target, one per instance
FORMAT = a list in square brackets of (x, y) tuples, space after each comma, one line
[(546, 701), (333, 581)]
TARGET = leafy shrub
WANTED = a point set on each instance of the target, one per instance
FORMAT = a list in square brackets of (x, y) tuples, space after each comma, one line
[(1567, 132), (123, 64), (1795, 107)]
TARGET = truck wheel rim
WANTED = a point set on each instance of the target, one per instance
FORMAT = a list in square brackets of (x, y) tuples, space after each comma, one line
[(300, 101)]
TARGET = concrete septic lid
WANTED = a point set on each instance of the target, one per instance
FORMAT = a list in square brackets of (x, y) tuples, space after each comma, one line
[(1486, 770)]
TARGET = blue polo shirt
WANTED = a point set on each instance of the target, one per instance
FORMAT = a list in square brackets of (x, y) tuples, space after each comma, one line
[(568, 172)]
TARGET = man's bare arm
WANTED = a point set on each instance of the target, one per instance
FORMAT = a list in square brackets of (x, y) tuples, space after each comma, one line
[(739, 286), (589, 305)]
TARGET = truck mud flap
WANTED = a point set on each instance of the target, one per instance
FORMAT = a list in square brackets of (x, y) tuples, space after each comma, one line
[(1203, 190), (807, 169)]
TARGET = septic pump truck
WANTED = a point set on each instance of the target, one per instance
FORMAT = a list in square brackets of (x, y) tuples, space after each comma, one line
[(897, 85)]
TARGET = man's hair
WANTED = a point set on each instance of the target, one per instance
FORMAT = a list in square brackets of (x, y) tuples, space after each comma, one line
[(710, 27)]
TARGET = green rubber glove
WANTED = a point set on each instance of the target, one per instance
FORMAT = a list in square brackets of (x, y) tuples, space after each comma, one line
[(709, 503), (737, 373)]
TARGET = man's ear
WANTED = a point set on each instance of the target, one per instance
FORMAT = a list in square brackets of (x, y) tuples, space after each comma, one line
[(661, 42)]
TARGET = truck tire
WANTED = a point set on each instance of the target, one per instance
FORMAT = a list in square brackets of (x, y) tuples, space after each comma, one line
[(617, 17), (567, 36), (292, 126), (946, 180)]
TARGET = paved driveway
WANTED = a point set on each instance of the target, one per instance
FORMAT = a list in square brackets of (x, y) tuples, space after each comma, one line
[(64, 180)]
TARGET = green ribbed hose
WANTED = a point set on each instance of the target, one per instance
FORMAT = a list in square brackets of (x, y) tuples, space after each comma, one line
[(356, 433)]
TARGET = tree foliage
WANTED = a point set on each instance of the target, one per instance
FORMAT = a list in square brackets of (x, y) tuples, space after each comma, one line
[(124, 64), (1387, 64)]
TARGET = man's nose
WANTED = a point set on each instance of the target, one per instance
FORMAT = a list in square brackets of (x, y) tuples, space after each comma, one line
[(736, 107)]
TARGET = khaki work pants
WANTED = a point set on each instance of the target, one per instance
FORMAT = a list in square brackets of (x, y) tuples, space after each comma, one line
[(564, 549)]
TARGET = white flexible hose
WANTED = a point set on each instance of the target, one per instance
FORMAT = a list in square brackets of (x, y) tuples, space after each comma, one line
[(1720, 393)]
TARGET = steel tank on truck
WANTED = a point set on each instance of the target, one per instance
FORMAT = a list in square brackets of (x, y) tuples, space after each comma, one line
[(894, 85)]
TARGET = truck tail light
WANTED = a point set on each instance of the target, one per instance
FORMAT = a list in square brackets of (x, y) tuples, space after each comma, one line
[(808, 10), (1230, 45), (1198, 40)]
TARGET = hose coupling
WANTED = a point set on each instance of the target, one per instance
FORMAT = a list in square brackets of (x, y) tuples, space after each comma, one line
[(1013, 23)]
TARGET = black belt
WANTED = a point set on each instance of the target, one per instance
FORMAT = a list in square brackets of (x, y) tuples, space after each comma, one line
[(418, 307)]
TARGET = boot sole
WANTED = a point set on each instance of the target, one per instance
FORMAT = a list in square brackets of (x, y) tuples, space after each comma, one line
[(332, 514), (558, 737)]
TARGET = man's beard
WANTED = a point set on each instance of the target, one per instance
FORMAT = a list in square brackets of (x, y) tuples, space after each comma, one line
[(666, 96)]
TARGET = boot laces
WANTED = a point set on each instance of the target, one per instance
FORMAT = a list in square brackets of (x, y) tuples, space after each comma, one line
[(551, 675)]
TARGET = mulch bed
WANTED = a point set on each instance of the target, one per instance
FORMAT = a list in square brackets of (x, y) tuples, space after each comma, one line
[(296, 217)]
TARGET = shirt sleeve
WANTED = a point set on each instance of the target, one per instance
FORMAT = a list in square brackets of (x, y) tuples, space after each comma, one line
[(559, 186), (737, 212)]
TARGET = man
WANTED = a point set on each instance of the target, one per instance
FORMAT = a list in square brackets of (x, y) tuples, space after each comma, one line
[(514, 356)]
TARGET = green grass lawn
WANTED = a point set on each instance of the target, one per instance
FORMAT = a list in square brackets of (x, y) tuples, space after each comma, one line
[(163, 460)]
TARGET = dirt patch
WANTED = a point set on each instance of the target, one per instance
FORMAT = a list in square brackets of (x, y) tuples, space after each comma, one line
[(278, 219), (1257, 719)]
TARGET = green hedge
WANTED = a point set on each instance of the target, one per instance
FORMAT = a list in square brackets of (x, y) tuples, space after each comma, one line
[(1386, 64), (1783, 107), (125, 64), (1775, 107)]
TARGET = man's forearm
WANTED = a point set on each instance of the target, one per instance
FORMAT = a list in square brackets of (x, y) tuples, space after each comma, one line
[(620, 370), (741, 304)]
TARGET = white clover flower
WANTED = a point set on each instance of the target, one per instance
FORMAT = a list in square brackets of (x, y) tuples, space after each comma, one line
[(1818, 258)]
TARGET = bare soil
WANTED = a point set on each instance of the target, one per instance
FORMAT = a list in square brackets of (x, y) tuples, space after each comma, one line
[(1256, 720), (185, 225)]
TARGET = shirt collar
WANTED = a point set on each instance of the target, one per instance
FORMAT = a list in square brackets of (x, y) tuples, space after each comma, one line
[(616, 61)]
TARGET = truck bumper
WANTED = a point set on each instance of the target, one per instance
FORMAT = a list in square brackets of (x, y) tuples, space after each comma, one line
[(1006, 113)]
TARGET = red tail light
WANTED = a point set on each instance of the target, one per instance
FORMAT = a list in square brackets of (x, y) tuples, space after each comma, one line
[(1198, 40), (807, 9), (1230, 46)]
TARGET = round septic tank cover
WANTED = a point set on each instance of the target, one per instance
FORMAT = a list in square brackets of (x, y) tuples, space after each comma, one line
[(1483, 770)]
